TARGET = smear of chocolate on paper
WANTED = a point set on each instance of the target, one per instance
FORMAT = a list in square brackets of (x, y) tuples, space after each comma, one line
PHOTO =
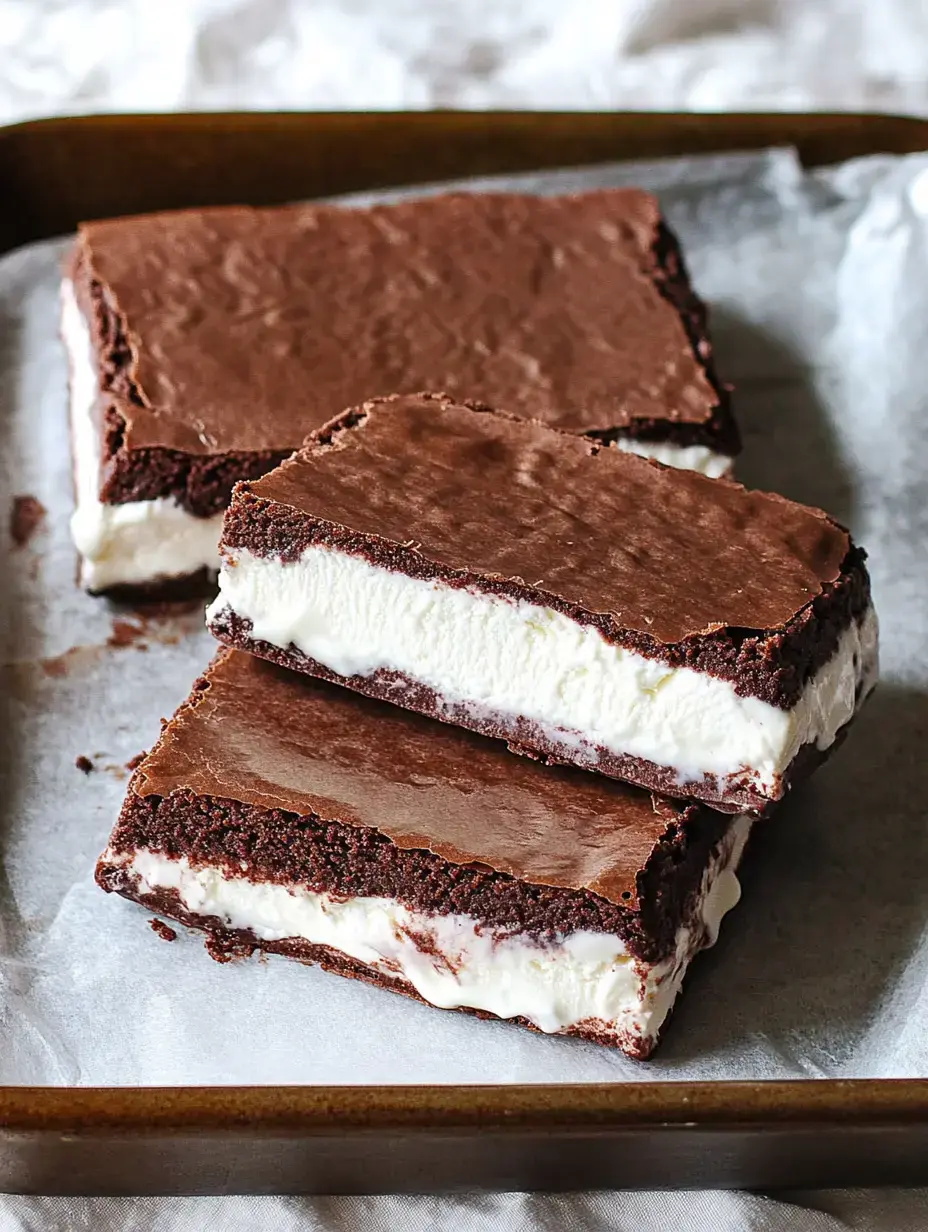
[(22, 678), (126, 633), (61, 665), (27, 514), (167, 623)]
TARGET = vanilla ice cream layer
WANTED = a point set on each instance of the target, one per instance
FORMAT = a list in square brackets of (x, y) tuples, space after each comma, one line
[(503, 658), (453, 961), (139, 541), (685, 457)]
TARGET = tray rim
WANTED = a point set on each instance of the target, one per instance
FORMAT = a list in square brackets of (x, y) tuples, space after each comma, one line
[(441, 137), (741, 1105), (649, 1106)]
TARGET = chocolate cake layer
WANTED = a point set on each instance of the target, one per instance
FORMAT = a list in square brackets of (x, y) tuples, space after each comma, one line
[(272, 803), (237, 330), (215, 340), (588, 605)]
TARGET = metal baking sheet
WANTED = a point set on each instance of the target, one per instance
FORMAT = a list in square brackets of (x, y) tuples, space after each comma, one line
[(91, 997)]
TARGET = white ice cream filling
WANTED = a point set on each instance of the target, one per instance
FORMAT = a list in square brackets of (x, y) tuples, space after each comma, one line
[(501, 658), (684, 457), (135, 542), (452, 961)]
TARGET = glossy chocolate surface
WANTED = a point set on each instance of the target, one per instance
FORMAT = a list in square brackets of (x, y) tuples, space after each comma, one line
[(258, 735), (245, 330), (664, 553)]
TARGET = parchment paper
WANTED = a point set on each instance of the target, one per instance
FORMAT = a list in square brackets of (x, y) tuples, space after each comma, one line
[(819, 289)]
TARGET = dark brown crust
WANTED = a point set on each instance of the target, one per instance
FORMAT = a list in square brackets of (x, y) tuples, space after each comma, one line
[(224, 944), (526, 737), (720, 430), (720, 433), (201, 481), (334, 857), (202, 486), (187, 587)]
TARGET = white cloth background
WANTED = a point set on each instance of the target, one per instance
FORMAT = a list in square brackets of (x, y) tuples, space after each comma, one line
[(66, 56), (61, 56)]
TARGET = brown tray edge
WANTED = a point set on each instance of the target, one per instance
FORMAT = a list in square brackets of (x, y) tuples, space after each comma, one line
[(58, 172), (517, 1106), (442, 1139)]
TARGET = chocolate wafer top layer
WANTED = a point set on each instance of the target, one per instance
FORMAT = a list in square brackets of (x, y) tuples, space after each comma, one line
[(436, 488), (238, 330), (258, 735)]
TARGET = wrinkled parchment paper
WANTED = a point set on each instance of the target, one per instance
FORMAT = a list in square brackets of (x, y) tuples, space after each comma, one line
[(819, 289)]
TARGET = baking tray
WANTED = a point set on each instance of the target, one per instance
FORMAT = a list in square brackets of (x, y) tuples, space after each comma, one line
[(124, 1140)]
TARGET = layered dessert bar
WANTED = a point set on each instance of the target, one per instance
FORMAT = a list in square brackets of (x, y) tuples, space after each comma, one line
[(585, 605), (286, 814), (204, 345)]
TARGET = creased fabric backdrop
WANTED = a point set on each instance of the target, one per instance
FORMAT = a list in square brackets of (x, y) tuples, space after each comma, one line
[(131, 55), (69, 56)]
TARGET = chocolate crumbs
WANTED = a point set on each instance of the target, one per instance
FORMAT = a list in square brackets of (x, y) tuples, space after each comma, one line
[(164, 931)]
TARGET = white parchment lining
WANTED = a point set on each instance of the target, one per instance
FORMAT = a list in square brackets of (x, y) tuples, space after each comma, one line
[(819, 289)]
